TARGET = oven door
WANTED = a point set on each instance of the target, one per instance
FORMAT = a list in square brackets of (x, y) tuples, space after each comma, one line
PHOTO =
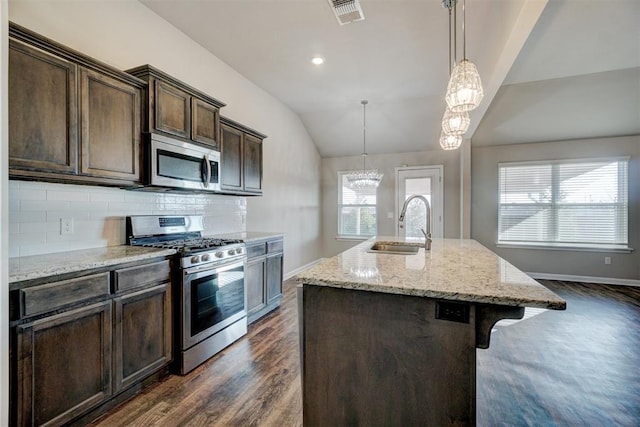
[(180, 164), (212, 299)]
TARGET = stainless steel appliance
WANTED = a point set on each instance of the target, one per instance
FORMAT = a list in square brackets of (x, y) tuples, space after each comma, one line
[(210, 297), (175, 164)]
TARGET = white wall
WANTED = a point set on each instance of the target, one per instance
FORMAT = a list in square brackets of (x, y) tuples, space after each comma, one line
[(126, 34), (4, 235), (386, 163), (484, 206)]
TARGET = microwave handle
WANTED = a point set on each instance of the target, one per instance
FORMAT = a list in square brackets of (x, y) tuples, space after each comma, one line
[(207, 177)]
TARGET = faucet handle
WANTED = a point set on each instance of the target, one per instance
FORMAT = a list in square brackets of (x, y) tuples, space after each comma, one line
[(424, 233)]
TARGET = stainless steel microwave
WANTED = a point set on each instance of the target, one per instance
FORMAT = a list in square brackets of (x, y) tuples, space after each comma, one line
[(182, 165)]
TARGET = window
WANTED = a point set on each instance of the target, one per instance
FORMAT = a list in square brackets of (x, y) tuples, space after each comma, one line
[(357, 213), (580, 204)]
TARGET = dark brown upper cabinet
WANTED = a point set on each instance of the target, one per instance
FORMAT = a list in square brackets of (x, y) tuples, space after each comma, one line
[(240, 158), (71, 117), (179, 110)]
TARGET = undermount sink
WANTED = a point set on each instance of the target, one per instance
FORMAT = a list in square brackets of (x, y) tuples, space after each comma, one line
[(395, 248)]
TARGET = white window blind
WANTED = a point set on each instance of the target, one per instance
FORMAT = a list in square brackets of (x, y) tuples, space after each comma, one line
[(357, 213), (564, 203)]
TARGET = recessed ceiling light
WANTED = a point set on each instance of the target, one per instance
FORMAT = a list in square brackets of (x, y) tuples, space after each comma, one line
[(317, 60)]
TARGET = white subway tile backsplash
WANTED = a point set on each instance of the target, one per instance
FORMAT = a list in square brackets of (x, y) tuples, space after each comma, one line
[(107, 196), (35, 210), (14, 205), (68, 195), (54, 216), (87, 206), (28, 238), (43, 205), (34, 227), (19, 217), (28, 195)]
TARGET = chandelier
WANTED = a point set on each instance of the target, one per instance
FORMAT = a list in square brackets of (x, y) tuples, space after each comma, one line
[(365, 178)]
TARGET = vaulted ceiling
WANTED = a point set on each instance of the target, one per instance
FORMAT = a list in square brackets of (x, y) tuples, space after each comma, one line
[(553, 70)]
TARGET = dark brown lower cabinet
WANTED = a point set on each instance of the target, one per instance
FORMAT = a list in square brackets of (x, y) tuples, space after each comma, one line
[(82, 343), (64, 365), (256, 298), (263, 276), (142, 334), (274, 278)]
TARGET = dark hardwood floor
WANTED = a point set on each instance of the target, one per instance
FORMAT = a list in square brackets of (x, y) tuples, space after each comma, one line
[(579, 367)]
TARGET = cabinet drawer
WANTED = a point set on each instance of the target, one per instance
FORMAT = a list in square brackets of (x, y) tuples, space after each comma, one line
[(275, 246), (133, 277), (40, 299), (256, 250)]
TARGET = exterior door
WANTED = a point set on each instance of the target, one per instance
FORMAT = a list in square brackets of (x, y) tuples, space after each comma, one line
[(427, 182)]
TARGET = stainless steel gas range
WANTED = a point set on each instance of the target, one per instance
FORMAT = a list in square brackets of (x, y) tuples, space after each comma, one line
[(209, 297)]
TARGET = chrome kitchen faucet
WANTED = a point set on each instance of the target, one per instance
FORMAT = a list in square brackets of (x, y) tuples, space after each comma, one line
[(403, 212)]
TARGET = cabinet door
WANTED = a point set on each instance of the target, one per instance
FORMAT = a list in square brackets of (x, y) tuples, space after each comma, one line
[(110, 127), (254, 279), (252, 164), (231, 159), (42, 111), (172, 110), (204, 123), (64, 365), (142, 334), (274, 278)]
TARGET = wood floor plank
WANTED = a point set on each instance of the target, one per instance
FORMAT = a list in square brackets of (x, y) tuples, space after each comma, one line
[(562, 368)]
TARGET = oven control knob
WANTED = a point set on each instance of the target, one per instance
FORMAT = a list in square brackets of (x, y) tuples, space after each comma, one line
[(219, 254), (206, 257), (239, 251), (232, 252), (195, 259)]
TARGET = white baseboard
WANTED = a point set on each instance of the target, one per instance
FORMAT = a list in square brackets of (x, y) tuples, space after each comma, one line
[(586, 279), (292, 273)]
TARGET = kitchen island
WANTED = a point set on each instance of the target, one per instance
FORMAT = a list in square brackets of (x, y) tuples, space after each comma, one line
[(390, 339)]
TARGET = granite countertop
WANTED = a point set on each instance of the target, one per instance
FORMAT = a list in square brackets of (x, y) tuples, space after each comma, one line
[(250, 236), (38, 266), (454, 269)]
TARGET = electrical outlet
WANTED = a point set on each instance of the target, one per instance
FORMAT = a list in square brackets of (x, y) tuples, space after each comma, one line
[(607, 260), (66, 225)]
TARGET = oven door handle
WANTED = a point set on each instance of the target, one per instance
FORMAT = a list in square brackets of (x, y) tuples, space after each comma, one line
[(207, 175), (202, 270)]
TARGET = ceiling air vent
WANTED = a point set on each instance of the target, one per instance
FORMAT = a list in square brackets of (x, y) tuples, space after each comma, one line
[(347, 11)]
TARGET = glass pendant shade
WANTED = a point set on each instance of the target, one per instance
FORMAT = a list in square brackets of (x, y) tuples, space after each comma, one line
[(450, 142), (455, 123), (464, 91), (365, 179)]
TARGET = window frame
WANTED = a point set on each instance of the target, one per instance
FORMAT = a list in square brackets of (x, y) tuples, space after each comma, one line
[(594, 247), (340, 205)]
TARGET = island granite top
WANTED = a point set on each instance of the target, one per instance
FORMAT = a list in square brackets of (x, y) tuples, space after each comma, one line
[(454, 269), (46, 265)]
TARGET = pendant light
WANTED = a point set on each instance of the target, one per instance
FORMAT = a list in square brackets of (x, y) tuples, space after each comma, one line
[(453, 123), (450, 142), (464, 91), (365, 178)]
